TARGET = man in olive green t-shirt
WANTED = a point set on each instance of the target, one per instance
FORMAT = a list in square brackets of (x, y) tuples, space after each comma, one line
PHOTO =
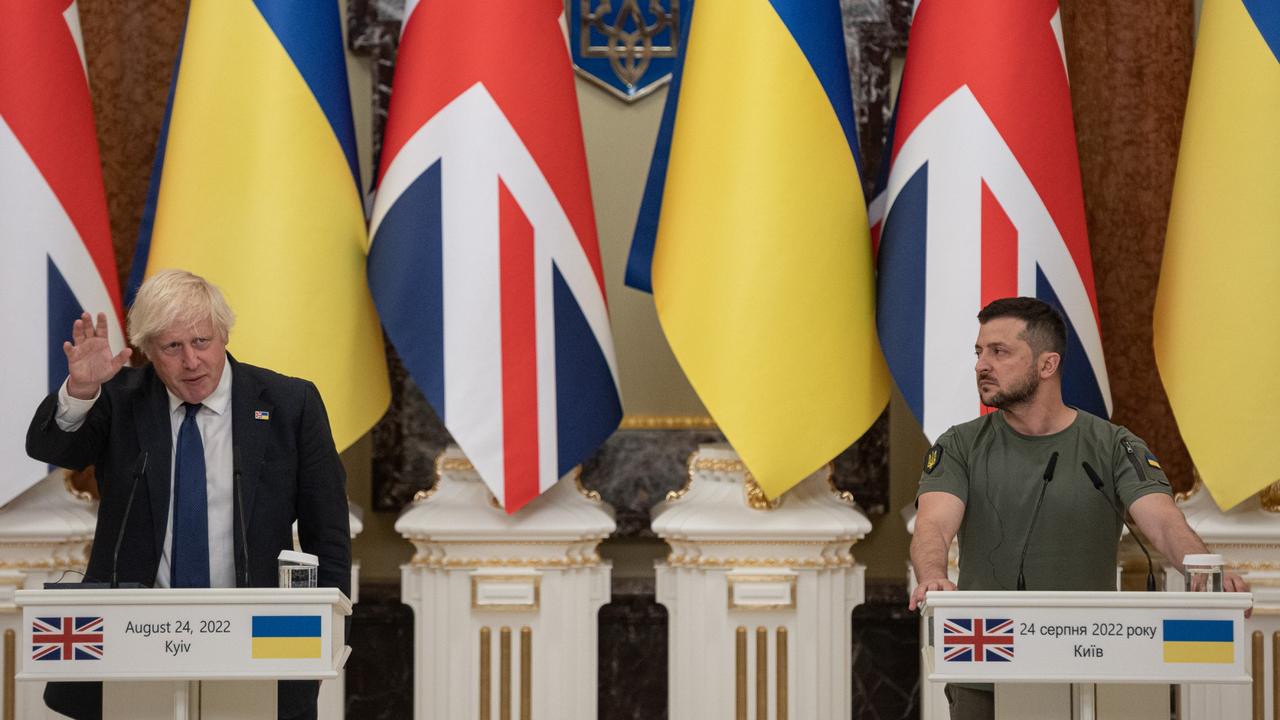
[(983, 479)]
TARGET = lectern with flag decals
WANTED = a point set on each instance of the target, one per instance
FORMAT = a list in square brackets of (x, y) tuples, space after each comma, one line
[(1085, 654), (210, 654)]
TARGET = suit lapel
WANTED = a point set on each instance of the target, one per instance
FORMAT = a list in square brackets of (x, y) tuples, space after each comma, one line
[(151, 417), (250, 430)]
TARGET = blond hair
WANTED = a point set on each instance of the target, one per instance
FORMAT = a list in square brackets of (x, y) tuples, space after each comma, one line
[(177, 297)]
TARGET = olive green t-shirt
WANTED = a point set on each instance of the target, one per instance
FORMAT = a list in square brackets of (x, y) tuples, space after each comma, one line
[(998, 473)]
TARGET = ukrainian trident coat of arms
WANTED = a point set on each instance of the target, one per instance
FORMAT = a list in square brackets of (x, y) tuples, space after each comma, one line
[(628, 47)]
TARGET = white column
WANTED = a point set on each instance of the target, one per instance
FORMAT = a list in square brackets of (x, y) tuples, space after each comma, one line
[(1248, 538), (44, 533), (759, 594), (504, 605)]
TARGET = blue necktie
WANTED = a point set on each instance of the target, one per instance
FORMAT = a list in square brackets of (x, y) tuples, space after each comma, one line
[(189, 561)]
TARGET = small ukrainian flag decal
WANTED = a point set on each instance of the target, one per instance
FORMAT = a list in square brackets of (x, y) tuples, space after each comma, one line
[(1199, 641), (286, 636)]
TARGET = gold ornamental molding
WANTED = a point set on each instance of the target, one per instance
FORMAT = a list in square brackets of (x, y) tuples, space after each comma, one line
[(452, 464), (668, 422), (73, 491), (448, 563), (729, 563), (591, 495), (422, 495), (1258, 566), (843, 496), (755, 497), (1181, 497), (1270, 497), (675, 495)]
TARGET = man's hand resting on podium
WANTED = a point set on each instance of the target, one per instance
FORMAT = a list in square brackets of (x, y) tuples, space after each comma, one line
[(917, 595)]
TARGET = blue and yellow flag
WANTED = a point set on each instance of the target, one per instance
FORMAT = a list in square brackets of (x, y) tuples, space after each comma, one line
[(1199, 641), (1217, 339), (286, 636), (256, 187), (755, 222)]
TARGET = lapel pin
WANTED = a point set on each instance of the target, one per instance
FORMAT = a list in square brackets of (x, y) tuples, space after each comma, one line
[(261, 415)]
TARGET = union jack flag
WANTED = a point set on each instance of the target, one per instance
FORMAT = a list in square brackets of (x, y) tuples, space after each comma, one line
[(484, 263), (56, 258), (977, 640), (982, 200), (66, 638)]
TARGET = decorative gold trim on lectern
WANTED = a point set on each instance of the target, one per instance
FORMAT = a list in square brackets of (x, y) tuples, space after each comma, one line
[(526, 673), (486, 673), (1270, 497), (740, 673), (667, 422)]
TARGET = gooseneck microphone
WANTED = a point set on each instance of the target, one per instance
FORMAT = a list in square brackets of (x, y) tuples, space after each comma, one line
[(1048, 478), (139, 470), (236, 481), (1097, 485)]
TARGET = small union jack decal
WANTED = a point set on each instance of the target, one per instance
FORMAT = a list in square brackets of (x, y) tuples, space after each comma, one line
[(977, 640), (66, 638)]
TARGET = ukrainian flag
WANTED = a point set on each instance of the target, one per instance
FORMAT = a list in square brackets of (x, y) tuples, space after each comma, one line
[(756, 226), (286, 636), (1217, 339), (257, 188), (1199, 641)]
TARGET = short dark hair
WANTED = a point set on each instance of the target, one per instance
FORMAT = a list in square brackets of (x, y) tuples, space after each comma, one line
[(1046, 330)]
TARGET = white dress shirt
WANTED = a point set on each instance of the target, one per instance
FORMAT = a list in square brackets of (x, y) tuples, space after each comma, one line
[(214, 421)]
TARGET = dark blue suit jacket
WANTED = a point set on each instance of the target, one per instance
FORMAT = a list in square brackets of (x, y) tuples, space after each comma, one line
[(287, 467)]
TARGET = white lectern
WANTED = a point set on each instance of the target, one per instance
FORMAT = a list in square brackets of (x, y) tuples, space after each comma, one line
[(183, 653), (1047, 652)]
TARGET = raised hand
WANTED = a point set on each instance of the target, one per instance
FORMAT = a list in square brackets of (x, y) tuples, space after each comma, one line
[(89, 359)]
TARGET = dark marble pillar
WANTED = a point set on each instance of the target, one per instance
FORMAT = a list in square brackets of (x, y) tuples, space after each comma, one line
[(380, 669)]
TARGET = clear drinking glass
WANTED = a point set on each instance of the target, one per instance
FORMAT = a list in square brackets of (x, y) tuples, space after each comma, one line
[(1203, 572), (297, 569)]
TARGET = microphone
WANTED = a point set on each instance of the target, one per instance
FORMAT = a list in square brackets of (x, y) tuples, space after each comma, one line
[(140, 469), (236, 481), (1048, 478), (1097, 485)]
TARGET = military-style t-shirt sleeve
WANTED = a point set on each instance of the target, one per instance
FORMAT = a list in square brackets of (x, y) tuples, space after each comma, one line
[(945, 468), (1138, 471)]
